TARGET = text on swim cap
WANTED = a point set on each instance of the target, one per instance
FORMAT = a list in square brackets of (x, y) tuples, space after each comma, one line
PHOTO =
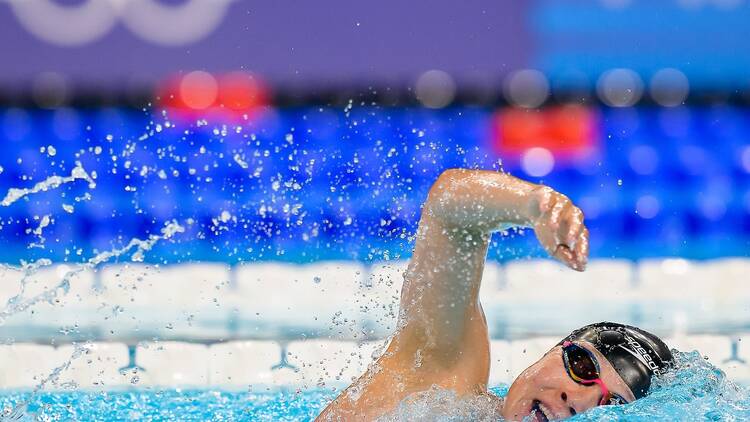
[(643, 355)]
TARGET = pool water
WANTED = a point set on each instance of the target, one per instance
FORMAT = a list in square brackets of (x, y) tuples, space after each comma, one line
[(696, 390)]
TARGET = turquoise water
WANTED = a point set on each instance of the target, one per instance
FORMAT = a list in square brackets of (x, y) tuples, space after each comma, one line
[(190, 405), (695, 391)]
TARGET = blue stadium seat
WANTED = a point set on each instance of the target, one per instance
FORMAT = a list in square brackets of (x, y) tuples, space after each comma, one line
[(360, 175)]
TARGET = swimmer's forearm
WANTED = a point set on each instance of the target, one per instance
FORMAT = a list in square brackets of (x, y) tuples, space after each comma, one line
[(484, 200)]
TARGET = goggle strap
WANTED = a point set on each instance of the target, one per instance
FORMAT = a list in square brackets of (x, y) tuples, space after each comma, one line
[(605, 391)]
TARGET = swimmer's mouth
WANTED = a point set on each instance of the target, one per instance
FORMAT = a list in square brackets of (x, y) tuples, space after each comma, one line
[(539, 412)]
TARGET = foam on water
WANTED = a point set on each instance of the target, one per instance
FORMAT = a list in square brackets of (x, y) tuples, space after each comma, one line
[(696, 390), (445, 405)]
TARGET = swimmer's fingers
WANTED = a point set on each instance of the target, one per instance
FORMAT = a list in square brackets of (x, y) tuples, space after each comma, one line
[(561, 231), (565, 219), (582, 250), (547, 233), (572, 226), (575, 257), (571, 257), (565, 255)]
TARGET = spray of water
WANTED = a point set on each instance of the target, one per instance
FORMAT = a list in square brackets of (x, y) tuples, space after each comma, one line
[(139, 246), (52, 182), (20, 410)]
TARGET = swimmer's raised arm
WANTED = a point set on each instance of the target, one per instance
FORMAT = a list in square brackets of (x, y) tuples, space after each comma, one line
[(440, 313)]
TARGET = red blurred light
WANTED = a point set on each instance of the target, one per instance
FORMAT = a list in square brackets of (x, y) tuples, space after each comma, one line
[(241, 91), (199, 90), (233, 96), (168, 93), (563, 130)]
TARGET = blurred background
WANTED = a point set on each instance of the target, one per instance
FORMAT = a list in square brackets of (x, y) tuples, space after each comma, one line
[(219, 170)]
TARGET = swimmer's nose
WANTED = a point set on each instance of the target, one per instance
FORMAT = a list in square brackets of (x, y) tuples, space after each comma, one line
[(567, 405)]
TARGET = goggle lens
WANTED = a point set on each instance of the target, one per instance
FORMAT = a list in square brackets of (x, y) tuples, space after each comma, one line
[(581, 365), (583, 368)]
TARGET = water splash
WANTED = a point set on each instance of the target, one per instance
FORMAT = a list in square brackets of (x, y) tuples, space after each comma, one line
[(52, 182), (44, 221), (54, 377), (28, 269), (141, 246), (20, 410), (445, 405), (242, 163), (17, 304), (694, 390)]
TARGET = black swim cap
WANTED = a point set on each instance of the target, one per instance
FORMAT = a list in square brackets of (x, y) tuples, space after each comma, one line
[(636, 355)]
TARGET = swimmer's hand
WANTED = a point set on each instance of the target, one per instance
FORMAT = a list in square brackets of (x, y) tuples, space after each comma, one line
[(559, 226)]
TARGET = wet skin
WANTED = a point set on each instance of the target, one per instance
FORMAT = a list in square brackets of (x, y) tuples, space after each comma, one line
[(442, 339)]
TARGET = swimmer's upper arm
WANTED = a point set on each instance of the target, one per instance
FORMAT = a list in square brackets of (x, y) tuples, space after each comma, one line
[(440, 297)]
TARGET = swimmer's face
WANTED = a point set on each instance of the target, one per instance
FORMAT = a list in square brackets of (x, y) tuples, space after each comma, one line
[(547, 386)]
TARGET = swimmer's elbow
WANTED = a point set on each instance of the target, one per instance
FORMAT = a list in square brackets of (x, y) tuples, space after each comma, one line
[(457, 197), (445, 193), (445, 181), (479, 199)]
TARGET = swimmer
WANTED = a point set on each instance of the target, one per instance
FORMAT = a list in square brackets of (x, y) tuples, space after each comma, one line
[(442, 339)]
